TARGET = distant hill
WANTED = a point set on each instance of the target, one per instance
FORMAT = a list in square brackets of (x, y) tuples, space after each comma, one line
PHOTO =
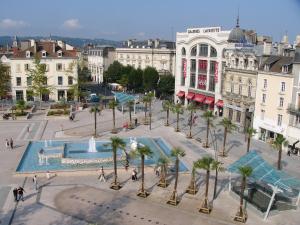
[(77, 42)]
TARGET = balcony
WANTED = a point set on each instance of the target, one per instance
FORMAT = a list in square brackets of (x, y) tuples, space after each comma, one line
[(292, 109)]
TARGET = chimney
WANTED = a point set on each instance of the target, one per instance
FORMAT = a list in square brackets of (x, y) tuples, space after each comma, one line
[(267, 48), (156, 43), (129, 43), (150, 42), (298, 39), (280, 49)]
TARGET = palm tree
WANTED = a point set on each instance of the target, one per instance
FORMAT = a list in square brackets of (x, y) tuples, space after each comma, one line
[(192, 188), (142, 151), (228, 127), (208, 116), (192, 108), (277, 144), (167, 107), (217, 165), (21, 105), (112, 105), (130, 104), (163, 163), (178, 109), (177, 153), (150, 98), (146, 101), (207, 163), (250, 133), (95, 109), (241, 215), (116, 143)]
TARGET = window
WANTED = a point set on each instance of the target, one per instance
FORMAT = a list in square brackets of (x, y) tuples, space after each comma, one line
[(231, 85), (59, 53), (45, 67), (230, 113), (203, 50), (212, 67), (28, 54), (213, 52), (262, 114), (29, 96), (265, 83), (202, 66), (18, 81), (249, 88), (279, 120), (193, 73), (44, 54), (282, 88), (194, 51), (193, 65), (240, 86), (202, 82), (58, 67), (183, 52), (211, 86), (281, 99), (264, 98), (238, 116), (70, 80), (29, 81), (59, 80), (19, 95), (26, 67)]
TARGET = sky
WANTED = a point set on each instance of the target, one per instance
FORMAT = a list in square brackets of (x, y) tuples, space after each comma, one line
[(142, 19)]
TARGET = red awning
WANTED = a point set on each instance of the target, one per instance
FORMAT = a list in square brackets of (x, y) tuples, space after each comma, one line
[(199, 98), (181, 94), (209, 100), (220, 103), (190, 96)]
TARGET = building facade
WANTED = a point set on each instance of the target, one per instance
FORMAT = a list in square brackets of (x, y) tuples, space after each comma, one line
[(199, 65), (273, 96), (99, 58), (154, 53), (60, 61)]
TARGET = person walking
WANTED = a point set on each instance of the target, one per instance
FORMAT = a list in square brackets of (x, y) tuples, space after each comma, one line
[(11, 143), (15, 193), (35, 182), (133, 176), (21, 193), (102, 175), (7, 144)]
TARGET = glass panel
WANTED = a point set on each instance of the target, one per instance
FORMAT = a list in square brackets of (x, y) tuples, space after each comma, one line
[(203, 50), (213, 52)]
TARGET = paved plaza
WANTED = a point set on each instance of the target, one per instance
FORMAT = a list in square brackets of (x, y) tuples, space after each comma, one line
[(81, 199)]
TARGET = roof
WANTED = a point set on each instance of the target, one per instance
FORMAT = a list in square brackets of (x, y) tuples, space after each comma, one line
[(297, 54), (123, 98), (264, 172), (276, 62), (145, 44)]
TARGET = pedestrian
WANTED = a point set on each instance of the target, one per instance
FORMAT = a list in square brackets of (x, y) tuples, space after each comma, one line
[(11, 143), (15, 192), (28, 128), (133, 176), (35, 182), (289, 152), (48, 175), (102, 175), (135, 121), (7, 144), (157, 171), (21, 193)]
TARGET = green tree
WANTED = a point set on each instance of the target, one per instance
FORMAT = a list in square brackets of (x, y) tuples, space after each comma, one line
[(39, 85), (207, 163), (21, 105), (192, 109), (112, 105), (277, 144), (192, 188), (146, 101), (163, 162), (124, 81), (95, 109), (217, 165), (177, 109), (167, 105), (135, 80), (142, 151), (250, 133), (208, 116), (150, 79), (4, 80), (130, 104), (166, 86), (114, 72), (228, 128), (177, 153), (241, 215), (116, 143)]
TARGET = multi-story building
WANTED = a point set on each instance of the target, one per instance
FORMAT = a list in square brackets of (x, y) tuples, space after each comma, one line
[(154, 53), (99, 59), (273, 95), (199, 65), (59, 59)]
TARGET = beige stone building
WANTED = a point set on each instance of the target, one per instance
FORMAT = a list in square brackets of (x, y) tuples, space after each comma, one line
[(273, 95)]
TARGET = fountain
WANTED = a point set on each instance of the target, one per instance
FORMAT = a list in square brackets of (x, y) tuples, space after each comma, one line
[(133, 143), (45, 144), (92, 145)]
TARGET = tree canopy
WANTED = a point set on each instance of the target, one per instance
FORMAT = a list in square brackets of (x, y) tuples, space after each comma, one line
[(4, 80), (166, 85), (150, 79)]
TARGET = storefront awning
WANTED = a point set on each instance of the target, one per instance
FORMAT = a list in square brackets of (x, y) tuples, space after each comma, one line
[(190, 96), (209, 100), (181, 94), (220, 103), (199, 98)]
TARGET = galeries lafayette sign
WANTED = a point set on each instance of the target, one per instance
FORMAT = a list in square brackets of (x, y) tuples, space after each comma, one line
[(204, 30)]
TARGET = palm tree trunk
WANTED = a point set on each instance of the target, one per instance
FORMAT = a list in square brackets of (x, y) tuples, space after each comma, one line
[(168, 111), (177, 128), (216, 184), (207, 183), (191, 123), (279, 158), (224, 141), (207, 131), (130, 119), (248, 143), (114, 119), (95, 122), (115, 166), (145, 111), (150, 115), (143, 175), (177, 170), (243, 185)]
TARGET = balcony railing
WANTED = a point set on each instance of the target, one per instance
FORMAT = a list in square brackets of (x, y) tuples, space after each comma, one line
[(292, 109)]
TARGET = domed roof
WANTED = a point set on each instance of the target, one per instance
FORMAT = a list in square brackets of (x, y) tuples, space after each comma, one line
[(237, 35)]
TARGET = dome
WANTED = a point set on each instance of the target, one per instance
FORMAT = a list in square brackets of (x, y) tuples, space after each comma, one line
[(237, 35)]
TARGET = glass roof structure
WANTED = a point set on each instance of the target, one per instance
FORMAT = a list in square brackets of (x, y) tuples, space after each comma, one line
[(122, 98), (264, 172)]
